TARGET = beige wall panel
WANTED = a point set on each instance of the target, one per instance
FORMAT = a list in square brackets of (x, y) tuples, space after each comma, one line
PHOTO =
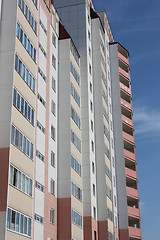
[(75, 63), (26, 58), (105, 122), (110, 226), (76, 232), (25, 91), (109, 204), (27, 28), (33, 9), (75, 84), (108, 182), (21, 161), (15, 236), (107, 162), (75, 129), (106, 141), (76, 153), (76, 205), (20, 201), (76, 178), (104, 104), (23, 124), (75, 106)]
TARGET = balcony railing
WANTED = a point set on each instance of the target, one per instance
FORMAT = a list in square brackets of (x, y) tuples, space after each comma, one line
[(131, 192), (124, 73), (129, 155), (135, 232), (131, 173), (123, 58), (125, 88), (128, 138), (127, 120), (133, 212), (126, 104)]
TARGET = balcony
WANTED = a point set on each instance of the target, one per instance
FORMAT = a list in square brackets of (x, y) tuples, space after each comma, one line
[(135, 232), (129, 155), (133, 212), (125, 88), (131, 192), (126, 104), (127, 120), (131, 173), (124, 74), (127, 137), (123, 58)]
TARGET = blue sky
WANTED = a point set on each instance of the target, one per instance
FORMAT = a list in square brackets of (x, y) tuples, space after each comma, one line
[(136, 25)]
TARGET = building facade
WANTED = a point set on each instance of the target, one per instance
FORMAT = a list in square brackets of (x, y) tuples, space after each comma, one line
[(67, 149)]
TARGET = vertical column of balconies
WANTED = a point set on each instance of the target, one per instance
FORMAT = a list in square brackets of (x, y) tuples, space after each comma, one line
[(129, 145)]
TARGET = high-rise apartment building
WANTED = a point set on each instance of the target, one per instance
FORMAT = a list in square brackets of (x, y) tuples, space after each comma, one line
[(67, 151)]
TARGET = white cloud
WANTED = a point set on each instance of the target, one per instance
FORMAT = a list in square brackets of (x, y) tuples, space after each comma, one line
[(147, 122)]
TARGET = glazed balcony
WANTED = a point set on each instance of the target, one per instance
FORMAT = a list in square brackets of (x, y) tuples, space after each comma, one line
[(123, 58), (127, 120), (131, 192), (124, 74), (133, 212), (129, 155), (125, 88), (135, 232), (127, 137), (126, 104), (131, 173)]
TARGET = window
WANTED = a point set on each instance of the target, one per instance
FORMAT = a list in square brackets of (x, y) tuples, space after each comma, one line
[(94, 212), (40, 155), (95, 235), (76, 218), (18, 102), (91, 87), (75, 117), (41, 100), (90, 69), (53, 19), (18, 222), (75, 140), (75, 53), (52, 159), (89, 35), (89, 51), (91, 125), (54, 39), (42, 50), (76, 191), (91, 106), (52, 187), (92, 146), (43, 27), (75, 95), (19, 140), (93, 168), (29, 46), (53, 84), (74, 73), (38, 218), (40, 127), (75, 165), (42, 74), (53, 132), (39, 186), (24, 73), (27, 13), (53, 61), (113, 161), (52, 214), (53, 107), (94, 190)]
